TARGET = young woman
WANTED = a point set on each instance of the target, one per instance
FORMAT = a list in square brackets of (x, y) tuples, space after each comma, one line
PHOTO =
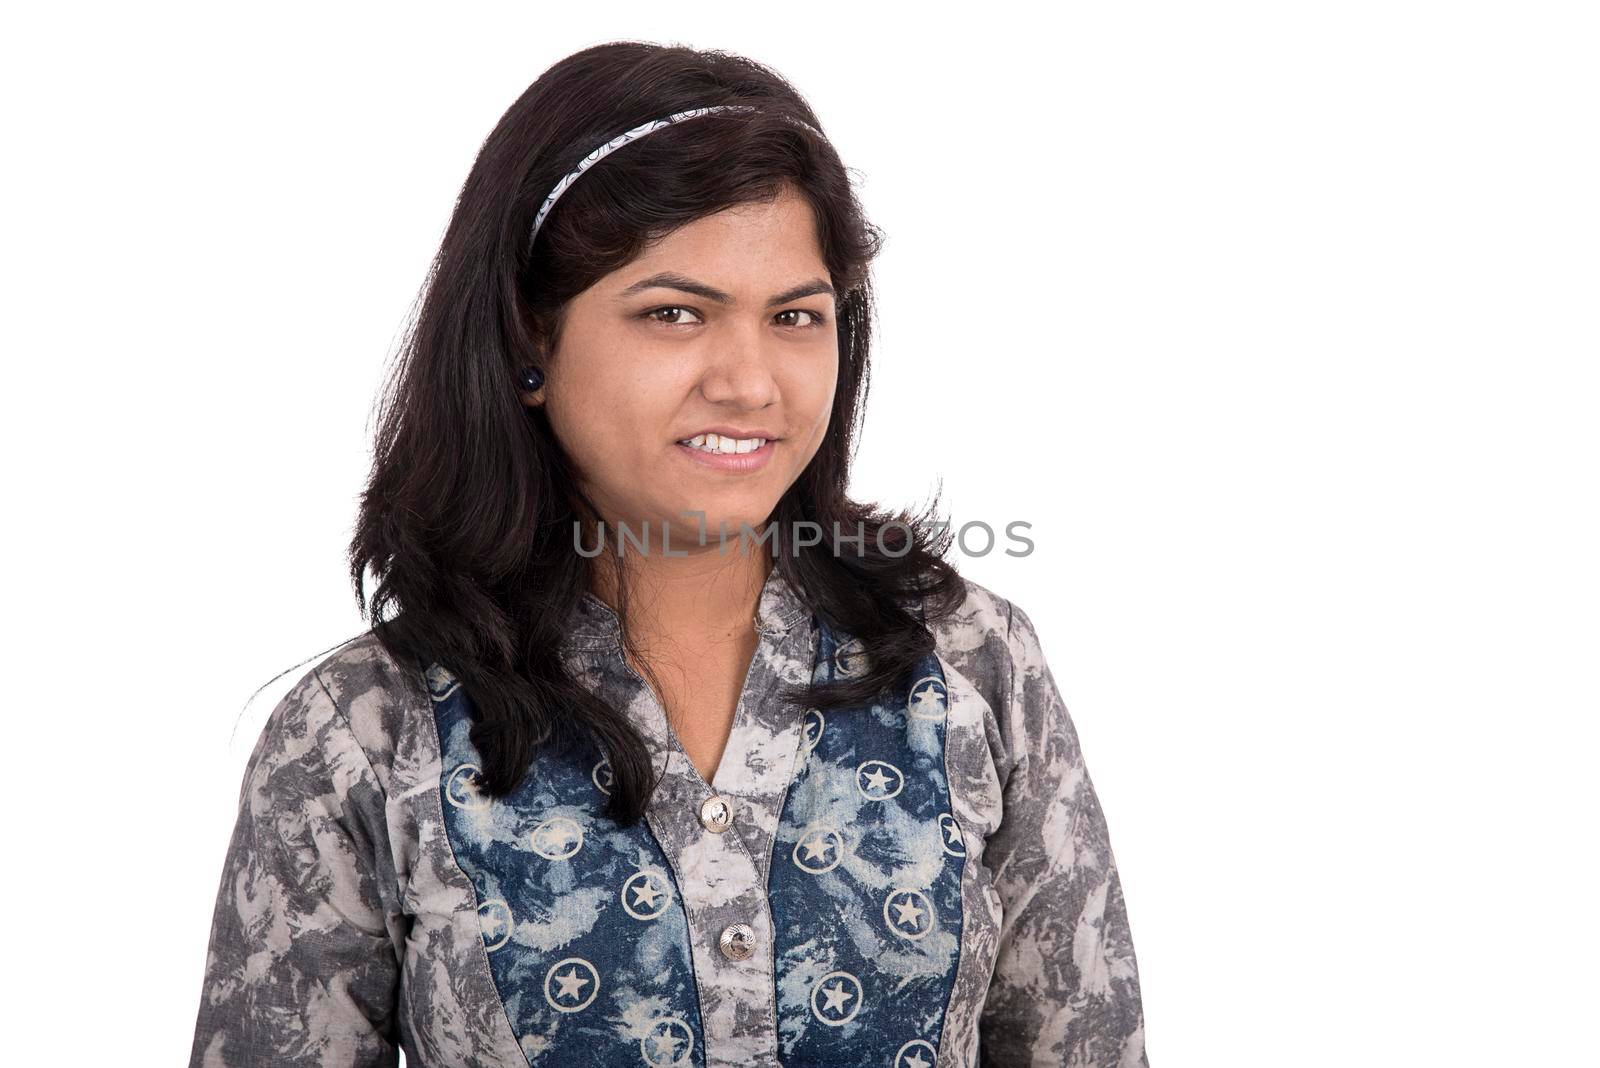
[(660, 750)]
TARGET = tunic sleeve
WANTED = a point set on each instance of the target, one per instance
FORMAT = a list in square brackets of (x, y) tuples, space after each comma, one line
[(302, 967), (1065, 988)]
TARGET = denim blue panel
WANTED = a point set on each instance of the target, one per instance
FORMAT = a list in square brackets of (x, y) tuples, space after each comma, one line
[(866, 877), (582, 919)]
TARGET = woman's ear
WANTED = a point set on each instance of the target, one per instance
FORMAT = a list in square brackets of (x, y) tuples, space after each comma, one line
[(536, 365), (531, 376), (530, 382)]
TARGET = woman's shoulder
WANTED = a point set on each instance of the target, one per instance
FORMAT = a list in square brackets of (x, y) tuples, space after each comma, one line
[(976, 640), (992, 643), (353, 706)]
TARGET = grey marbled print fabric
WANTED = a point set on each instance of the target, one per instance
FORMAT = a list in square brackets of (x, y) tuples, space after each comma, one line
[(346, 928), (1065, 987)]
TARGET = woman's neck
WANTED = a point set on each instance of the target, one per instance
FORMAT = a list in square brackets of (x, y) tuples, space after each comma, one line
[(691, 620), (706, 595)]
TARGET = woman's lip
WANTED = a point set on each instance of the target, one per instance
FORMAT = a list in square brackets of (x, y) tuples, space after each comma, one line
[(753, 460)]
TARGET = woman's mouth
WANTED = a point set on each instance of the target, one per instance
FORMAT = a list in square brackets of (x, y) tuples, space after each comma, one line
[(727, 453), (721, 445)]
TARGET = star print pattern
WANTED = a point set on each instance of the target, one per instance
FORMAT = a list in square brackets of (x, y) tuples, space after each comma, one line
[(877, 783), (570, 985), (909, 913), (495, 917), (670, 1043), (587, 919), (811, 732), (646, 895), (819, 850), (928, 699), (834, 998), (863, 814), (883, 940), (953, 843), (557, 839)]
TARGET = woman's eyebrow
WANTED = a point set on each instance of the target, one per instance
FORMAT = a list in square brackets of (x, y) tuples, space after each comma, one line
[(673, 280)]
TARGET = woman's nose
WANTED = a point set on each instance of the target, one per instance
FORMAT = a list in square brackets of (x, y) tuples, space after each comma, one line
[(739, 371)]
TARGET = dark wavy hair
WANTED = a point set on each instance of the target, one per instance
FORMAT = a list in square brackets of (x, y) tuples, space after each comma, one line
[(467, 519)]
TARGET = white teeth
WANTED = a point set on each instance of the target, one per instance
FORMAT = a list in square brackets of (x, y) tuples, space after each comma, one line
[(726, 446)]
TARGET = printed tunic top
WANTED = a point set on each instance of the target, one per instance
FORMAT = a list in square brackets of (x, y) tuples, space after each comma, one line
[(918, 883)]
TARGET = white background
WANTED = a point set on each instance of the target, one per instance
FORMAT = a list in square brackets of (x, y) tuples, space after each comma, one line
[(1276, 320)]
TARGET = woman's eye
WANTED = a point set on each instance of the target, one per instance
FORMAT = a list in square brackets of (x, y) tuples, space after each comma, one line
[(673, 315), (813, 318), (671, 308)]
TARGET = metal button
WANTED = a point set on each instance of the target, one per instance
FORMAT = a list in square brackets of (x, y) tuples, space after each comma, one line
[(738, 941), (716, 814)]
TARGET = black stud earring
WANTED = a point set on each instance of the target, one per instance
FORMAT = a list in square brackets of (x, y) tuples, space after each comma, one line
[(532, 378)]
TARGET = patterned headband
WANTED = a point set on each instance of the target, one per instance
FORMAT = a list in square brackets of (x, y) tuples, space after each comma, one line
[(633, 135)]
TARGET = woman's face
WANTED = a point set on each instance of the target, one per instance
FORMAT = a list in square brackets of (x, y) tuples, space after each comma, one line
[(725, 325)]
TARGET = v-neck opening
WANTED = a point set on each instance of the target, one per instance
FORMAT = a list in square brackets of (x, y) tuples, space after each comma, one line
[(773, 641), (741, 712)]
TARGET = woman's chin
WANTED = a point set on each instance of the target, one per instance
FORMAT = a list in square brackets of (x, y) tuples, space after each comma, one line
[(697, 527)]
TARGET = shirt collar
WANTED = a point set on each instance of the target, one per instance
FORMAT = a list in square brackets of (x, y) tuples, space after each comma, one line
[(778, 609)]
